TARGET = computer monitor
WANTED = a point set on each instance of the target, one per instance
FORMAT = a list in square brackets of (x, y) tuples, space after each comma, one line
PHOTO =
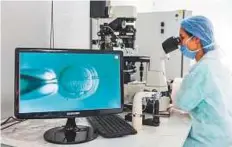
[(67, 83)]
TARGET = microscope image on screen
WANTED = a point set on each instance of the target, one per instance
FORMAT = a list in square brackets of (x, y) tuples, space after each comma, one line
[(78, 82), (74, 82), (69, 82), (36, 83)]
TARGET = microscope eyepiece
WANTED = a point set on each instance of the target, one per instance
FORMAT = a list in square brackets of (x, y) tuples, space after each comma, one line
[(171, 44)]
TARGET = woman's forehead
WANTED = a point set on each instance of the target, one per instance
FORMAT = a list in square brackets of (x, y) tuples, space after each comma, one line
[(182, 32)]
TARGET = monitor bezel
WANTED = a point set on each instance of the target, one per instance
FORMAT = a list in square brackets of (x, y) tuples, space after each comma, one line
[(64, 114)]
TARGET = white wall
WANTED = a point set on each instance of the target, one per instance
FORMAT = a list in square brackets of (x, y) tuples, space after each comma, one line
[(27, 24), (141, 5), (72, 24)]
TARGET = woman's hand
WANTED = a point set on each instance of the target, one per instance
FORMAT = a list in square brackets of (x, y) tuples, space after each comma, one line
[(175, 110)]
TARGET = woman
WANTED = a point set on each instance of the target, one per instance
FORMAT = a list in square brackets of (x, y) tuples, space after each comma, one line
[(206, 92)]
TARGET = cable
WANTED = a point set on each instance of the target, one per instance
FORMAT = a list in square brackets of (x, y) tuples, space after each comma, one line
[(13, 124), (10, 120), (7, 120), (52, 29)]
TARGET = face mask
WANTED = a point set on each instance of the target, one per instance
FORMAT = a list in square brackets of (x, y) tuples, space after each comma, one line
[(171, 44), (187, 52)]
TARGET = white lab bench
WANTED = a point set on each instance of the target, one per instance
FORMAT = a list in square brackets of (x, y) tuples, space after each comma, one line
[(172, 132)]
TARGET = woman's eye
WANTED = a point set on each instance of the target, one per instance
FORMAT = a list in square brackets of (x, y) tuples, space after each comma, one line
[(181, 38)]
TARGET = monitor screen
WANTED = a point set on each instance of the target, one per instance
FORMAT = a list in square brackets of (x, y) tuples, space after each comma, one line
[(51, 81)]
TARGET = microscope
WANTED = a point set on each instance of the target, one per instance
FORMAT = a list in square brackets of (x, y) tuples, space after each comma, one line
[(122, 28), (115, 30), (116, 34)]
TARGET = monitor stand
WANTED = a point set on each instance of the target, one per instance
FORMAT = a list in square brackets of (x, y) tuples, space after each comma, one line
[(70, 133)]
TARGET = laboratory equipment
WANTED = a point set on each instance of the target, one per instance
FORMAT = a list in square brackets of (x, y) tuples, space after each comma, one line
[(137, 113), (116, 31), (160, 25), (145, 60), (155, 120), (164, 65), (171, 44), (113, 28), (82, 87)]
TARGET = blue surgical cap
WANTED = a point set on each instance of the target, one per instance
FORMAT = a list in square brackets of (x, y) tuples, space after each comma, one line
[(201, 27)]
